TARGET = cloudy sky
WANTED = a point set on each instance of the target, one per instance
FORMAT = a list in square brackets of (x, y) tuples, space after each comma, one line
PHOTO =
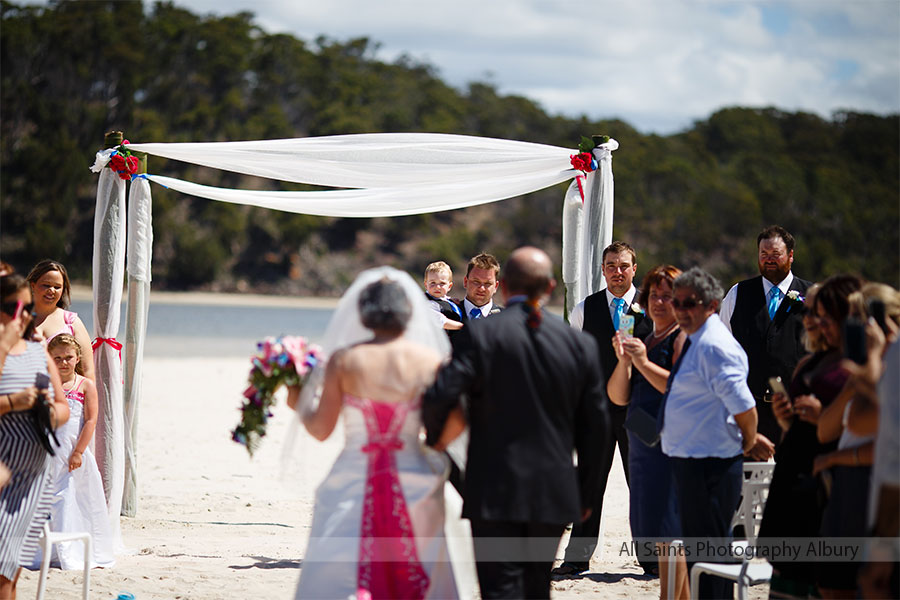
[(657, 64)]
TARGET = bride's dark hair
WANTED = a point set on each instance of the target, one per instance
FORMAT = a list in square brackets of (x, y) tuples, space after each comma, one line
[(384, 305)]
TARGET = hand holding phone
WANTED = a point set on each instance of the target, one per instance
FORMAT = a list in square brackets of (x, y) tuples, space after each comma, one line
[(626, 326), (777, 387)]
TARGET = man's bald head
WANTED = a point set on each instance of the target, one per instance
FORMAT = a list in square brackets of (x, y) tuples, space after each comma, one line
[(528, 271)]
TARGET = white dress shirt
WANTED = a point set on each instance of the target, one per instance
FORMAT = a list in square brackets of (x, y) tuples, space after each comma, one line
[(709, 388), (485, 310), (576, 319), (727, 308)]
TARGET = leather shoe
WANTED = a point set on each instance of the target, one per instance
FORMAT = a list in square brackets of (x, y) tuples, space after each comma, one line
[(568, 568)]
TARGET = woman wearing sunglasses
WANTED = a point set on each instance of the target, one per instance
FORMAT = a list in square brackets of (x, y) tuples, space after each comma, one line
[(50, 288), (27, 494), (639, 381)]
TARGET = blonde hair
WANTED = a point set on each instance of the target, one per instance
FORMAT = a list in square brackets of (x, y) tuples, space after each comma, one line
[(859, 301), (67, 340), (438, 267)]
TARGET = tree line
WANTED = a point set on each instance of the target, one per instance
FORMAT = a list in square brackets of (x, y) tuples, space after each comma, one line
[(71, 71)]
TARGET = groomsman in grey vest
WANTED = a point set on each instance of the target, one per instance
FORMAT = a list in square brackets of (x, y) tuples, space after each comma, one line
[(765, 316)]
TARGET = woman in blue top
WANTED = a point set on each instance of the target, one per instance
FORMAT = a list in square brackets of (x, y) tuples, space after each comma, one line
[(639, 381)]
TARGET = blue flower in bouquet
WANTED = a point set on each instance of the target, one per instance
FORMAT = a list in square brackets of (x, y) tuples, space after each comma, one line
[(279, 361)]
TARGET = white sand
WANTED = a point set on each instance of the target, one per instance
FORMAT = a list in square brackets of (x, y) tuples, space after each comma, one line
[(211, 523)]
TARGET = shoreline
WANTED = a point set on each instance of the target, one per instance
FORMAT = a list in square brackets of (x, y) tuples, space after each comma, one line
[(84, 293)]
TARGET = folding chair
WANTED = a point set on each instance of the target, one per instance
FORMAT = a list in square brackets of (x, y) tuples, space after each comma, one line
[(46, 542), (745, 574), (754, 492)]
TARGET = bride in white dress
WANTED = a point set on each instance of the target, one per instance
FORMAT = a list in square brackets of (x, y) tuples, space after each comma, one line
[(379, 524)]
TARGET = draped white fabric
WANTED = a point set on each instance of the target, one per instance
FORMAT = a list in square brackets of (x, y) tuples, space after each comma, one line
[(377, 202), (374, 160), (140, 249), (392, 174), (385, 174), (587, 228), (109, 267)]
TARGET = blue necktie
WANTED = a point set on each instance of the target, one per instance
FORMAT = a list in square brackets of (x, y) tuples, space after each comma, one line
[(661, 417), (774, 300), (620, 310), (475, 313)]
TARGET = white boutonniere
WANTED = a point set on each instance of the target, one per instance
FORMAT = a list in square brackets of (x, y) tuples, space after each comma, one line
[(794, 296), (636, 308)]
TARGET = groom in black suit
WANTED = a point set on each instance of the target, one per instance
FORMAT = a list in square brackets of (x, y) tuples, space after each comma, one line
[(534, 396), (600, 315)]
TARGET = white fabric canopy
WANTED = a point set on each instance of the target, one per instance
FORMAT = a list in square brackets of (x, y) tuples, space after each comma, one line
[(383, 160), (385, 174)]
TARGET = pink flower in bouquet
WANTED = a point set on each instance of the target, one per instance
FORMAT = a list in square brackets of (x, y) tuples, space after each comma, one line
[(278, 361)]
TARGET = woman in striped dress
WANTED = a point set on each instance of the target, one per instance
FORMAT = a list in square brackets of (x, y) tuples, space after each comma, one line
[(25, 500)]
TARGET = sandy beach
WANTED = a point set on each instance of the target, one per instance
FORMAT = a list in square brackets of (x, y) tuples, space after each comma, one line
[(212, 523)]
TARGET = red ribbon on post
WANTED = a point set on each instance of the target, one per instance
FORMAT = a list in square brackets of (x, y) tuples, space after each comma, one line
[(578, 179), (111, 341)]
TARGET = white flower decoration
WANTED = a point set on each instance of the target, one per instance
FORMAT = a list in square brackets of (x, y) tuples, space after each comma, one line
[(636, 308), (795, 296)]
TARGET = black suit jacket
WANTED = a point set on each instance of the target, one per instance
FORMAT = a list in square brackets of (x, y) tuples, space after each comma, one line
[(598, 322), (773, 346), (534, 396)]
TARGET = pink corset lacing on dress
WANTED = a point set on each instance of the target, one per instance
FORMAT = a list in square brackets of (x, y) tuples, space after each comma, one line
[(389, 565)]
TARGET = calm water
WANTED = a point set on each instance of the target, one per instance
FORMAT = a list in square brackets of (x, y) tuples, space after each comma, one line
[(210, 331)]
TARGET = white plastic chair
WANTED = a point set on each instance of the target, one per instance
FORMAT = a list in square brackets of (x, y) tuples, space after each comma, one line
[(754, 492), (745, 574), (46, 542)]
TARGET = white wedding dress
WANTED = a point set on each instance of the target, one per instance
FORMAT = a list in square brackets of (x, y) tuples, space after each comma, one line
[(379, 528), (79, 503)]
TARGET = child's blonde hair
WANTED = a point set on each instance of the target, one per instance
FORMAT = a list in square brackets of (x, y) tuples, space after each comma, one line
[(68, 341), (439, 267)]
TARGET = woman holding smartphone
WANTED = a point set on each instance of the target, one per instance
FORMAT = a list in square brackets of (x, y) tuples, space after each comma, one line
[(796, 495), (27, 495), (639, 382)]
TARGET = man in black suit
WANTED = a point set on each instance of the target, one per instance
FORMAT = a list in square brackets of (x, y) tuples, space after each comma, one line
[(600, 314), (481, 282), (764, 316), (534, 396)]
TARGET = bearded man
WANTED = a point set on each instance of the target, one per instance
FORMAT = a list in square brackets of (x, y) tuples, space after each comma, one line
[(765, 315)]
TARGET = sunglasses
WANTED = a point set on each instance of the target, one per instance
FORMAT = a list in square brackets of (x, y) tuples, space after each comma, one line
[(686, 304), (9, 308)]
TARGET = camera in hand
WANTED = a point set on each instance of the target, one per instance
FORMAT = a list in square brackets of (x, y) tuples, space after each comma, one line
[(854, 331), (40, 414)]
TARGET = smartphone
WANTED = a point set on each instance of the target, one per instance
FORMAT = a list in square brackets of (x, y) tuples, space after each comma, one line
[(626, 325), (854, 331), (777, 387), (876, 311)]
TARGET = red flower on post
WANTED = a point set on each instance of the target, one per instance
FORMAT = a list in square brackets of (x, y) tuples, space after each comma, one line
[(123, 163), (582, 162)]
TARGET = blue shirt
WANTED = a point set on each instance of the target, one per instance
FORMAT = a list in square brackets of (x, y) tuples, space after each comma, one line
[(709, 388)]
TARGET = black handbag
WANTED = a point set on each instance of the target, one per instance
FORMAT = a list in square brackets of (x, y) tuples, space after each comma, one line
[(40, 415)]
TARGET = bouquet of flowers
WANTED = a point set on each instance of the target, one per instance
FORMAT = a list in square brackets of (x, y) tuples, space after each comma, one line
[(123, 163), (279, 361)]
